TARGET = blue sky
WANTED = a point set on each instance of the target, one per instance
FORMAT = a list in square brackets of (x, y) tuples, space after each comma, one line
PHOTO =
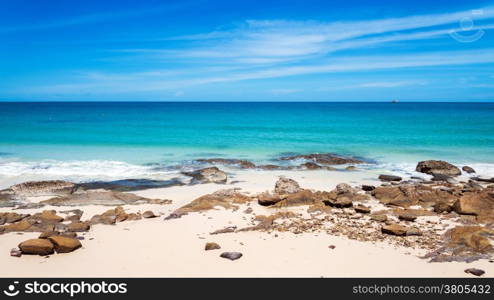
[(246, 50)]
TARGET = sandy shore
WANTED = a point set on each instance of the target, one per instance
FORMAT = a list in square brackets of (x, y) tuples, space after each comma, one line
[(175, 248)]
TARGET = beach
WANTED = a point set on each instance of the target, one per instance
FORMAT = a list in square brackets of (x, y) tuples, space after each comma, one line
[(157, 247)]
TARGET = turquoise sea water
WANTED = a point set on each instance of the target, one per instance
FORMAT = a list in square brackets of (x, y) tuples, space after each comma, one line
[(69, 137)]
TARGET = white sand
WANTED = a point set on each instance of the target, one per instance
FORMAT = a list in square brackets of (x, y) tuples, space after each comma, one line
[(175, 248)]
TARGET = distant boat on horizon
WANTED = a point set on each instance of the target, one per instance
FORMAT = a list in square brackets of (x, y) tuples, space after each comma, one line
[(394, 101)]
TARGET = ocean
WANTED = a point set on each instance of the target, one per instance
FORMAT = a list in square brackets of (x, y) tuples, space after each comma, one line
[(89, 140)]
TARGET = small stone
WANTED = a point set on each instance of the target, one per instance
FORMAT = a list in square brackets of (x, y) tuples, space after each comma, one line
[(15, 252), (384, 177), (362, 209), (394, 229), (368, 188), (414, 231), (407, 217), (225, 230), (474, 271), (248, 210), (331, 246), (468, 169), (79, 226), (148, 214), (379, 218), (231, 255), (211, 246)]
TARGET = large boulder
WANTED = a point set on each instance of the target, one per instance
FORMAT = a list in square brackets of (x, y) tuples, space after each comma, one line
[(37, 246), (286, 186), (302, 197), (437, 167), (468, 169), (408, 194), (480, 204), (64, 244), (44, 188), (207, 175)]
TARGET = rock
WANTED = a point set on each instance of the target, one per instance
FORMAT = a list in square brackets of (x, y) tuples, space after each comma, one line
[(97, 197), (37, 246), (65, 244), (211, 246), (267, 199), (23, 225), (394, 229), (413, 231), (249, 210), (8, 198), (362, 209), (44, 188), (286, 186), (15, 252), (442, 207), (270, 167), (437, 167), (468, 169), (134, 216), (224, 198), (206, 175), (325, 159), (480, 204), (406, 195), (148, 214), (351, 168), (379, 218), (331, 246), (102, 219), (445, 178), (368, 188), (225, 230), (342, 188), (130, 184), (244, 164), (302, 197), (48, 216), (11, 217), (483, 179), (69, 234), (231, 255), (79, 226), (474, 271), (310, 166), (407, 217), (47, 234), (383, 177)]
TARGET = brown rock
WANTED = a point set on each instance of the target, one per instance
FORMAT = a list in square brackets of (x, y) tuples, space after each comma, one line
[(47, 234), (48, 216), (225, 230), (65, 244), (351, 168), (36, 246), (384, 177), (148, 214), (325, 159), (23, 225), (310, 166), (379, 218), (97, 197), (211, 246), (266, 199), (133, 217), (468, 169), (394, 229), (407, 217), (303, 197), (79, 227), (362, 209), (437, 167), (244, 164), (44, 188), (480, 204)]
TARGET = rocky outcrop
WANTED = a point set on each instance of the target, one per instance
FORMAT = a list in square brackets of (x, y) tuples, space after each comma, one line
[(44, 188), (468, 169), (79, 226), (98, 197), (394, 229), (324, 159), (244, 164), (267, 199), (384, 177), (437, 167), (310, 166), (302, 197), (207, 175), (342, 196), (480, 204), (127, 185), (223, 198), (286, 186), (64, 244), (37, 247), (408, 194)]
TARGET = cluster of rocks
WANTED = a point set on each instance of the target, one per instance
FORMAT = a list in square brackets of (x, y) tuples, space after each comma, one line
[(59, 234)]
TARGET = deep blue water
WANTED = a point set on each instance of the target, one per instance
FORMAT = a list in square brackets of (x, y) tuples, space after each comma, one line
[(151, 132)]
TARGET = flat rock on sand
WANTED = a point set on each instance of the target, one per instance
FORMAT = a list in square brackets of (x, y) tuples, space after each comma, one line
[(97, 197), (64, 244), (437, 167), (206, 175), (37, 246), (231, 255), (44, 188)]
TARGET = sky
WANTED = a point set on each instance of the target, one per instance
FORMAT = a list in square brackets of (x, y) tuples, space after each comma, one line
[(246, 50)]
